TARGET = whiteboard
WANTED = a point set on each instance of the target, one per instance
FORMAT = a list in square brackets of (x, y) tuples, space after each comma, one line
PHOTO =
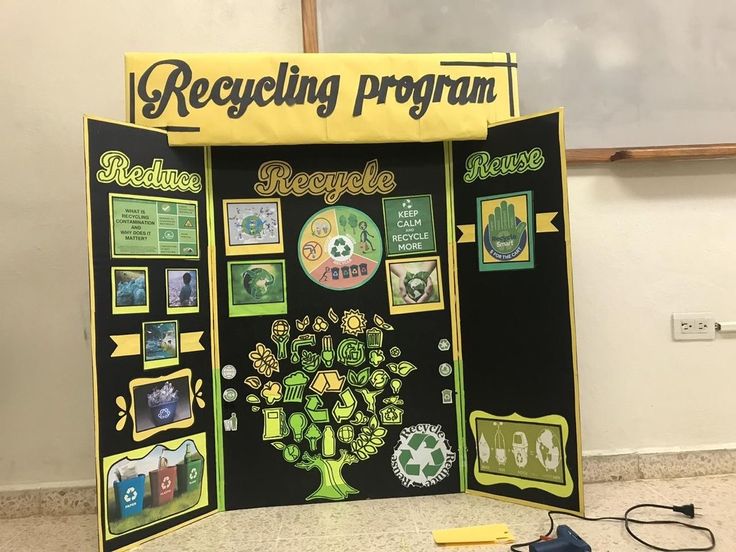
[(628, 72)]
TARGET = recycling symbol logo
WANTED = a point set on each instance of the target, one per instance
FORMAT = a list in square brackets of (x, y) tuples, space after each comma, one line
[(422, 456), (164, 413), (192, 474), (341, 248), (165, 483), (130, 495)]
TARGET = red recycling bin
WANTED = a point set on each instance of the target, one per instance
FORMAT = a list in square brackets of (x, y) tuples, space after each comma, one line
[(163, 485)]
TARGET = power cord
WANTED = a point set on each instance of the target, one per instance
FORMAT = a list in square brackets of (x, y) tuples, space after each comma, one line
[(686, 510)]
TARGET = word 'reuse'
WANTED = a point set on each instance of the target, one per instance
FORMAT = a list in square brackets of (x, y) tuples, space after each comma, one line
[(480, 166)]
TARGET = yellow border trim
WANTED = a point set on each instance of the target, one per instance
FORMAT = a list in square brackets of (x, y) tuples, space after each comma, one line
[(424, 307), (214, 330), (457, 350), (182, 310), (256, 248), (186, 422), (192, 202), (132, 309), (93, 334), (519, 501), (571, 300)]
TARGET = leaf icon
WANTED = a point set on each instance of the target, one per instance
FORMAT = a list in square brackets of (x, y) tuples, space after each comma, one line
[(381, 323)]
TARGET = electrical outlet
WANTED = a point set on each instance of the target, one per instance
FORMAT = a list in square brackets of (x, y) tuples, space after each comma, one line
[(691, 326)]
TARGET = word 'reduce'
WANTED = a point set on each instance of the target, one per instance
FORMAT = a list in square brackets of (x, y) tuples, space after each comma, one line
[(180, 89), (115, 167)]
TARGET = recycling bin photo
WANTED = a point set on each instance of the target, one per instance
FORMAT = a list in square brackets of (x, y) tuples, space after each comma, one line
[(129, 495), (189, 474), (163, 485)]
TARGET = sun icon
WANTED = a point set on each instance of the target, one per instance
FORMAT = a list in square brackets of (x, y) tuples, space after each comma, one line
[(353, 322)]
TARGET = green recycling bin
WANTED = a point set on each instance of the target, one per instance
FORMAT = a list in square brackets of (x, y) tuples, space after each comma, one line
[(189, 474), (163, 485)]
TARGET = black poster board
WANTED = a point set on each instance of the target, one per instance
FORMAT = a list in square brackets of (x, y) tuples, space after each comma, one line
[(518, 342), (151, 341), (341, 321), (256, 474)]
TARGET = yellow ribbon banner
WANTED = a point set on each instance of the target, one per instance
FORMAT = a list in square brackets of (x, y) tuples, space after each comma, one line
[(544, 225), (258, 99), (130, 344)]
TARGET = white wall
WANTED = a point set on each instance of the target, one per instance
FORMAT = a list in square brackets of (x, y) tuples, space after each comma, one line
[(648, 239), (61, 60)]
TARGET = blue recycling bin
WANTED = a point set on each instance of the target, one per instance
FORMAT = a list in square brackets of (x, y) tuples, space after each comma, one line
[(129, 495), (164, 413)]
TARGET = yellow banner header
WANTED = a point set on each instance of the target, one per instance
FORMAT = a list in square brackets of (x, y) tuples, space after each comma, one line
[(259, 99)]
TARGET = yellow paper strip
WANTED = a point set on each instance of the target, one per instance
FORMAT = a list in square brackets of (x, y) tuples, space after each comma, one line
[(286, 98), (127, 345), (190, 342), (544, 222), (130, 344), (497, 533), (544, 225), (467, 233)]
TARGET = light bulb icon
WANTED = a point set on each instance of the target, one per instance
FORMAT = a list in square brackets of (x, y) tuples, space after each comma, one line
[(297, 423), (395, 386)]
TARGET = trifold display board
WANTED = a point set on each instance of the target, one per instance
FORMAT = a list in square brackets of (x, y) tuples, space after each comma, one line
[(293, 324)]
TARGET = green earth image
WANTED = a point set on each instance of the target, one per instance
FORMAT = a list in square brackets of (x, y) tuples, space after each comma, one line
[(257, 283)]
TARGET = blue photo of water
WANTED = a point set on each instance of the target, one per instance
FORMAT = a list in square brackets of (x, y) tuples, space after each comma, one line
[(161, 340), (130, 288)]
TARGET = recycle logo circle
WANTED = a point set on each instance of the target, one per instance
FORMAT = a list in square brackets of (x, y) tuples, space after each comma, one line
[(193, 474), (341, 248), (165, 483), (164, 413), (130, 495), (422, 456)]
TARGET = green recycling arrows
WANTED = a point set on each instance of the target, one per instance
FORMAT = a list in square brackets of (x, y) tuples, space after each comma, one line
[(345, 406), (430, 468), (313, 408)]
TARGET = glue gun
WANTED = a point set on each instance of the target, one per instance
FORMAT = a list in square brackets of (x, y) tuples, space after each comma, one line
[(566, 541)]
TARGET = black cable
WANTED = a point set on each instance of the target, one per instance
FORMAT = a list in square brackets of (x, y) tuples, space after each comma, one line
[(687, 510)]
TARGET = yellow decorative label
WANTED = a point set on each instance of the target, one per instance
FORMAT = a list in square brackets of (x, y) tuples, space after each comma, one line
[(277, 177), (226, 99), (116, 168)]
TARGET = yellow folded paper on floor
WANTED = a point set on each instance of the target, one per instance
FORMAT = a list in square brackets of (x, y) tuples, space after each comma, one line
[(497, 533)]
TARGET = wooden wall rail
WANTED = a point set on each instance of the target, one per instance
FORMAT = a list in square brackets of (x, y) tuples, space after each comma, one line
[(650, 153)]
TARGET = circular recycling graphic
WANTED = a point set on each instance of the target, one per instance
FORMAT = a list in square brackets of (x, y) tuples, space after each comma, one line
[(422, 457), (340, 248)]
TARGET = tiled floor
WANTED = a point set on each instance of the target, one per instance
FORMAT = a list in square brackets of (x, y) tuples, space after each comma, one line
[(402, 525)]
